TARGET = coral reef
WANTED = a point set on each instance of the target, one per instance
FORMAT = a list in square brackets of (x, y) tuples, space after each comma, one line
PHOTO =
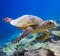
[(31, 47), (50, 49)]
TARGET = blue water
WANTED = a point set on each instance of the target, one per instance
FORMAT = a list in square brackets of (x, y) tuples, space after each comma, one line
[(46, 9)]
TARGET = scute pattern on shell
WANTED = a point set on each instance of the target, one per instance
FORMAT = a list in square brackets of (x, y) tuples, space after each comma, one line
[(27, 20)]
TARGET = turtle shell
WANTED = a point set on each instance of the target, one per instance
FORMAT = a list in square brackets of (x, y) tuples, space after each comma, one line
[(26, 20)]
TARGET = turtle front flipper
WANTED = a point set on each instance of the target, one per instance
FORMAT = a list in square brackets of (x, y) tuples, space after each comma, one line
[(43, 37), (25, 33)]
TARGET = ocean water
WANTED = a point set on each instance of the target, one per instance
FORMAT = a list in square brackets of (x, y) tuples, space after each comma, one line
[(45, 9)]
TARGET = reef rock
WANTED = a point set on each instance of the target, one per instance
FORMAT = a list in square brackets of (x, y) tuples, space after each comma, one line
[(51, 49), (30, 47)]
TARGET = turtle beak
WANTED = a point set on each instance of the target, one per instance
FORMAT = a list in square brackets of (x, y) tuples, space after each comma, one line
[(55, 24)]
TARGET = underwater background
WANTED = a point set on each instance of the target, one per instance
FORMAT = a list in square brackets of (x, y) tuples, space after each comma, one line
[(45, 9)]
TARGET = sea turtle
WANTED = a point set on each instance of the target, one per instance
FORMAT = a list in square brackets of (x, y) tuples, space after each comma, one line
[(31, 24)]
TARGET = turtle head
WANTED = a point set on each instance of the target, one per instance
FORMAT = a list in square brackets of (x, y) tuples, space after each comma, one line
[(51, 24), (7, 20)]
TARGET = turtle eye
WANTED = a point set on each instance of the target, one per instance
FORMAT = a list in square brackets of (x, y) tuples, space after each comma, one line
[(50, 23)]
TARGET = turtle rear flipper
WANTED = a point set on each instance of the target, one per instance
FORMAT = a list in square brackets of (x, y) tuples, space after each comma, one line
[(25, 33)]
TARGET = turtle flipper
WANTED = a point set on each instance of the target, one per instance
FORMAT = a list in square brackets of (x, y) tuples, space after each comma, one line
[(25, 33), (43, 37)]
